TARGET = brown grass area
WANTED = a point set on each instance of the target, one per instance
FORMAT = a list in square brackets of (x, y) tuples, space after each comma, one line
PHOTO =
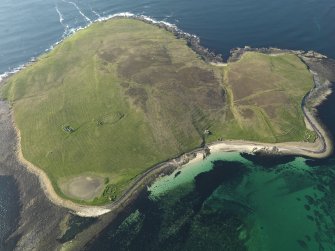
[(247, 113), (111, 55), (266, 95), (139, 96), (171, 91)]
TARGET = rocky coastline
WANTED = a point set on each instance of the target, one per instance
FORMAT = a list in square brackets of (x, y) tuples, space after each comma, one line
[(39, 218), (41, 222)]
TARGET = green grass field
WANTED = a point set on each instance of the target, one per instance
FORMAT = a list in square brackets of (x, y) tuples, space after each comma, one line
[(122, 95)]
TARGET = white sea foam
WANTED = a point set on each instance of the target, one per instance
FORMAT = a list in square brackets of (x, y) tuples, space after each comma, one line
[(61, 19), (121, 14), (96, 13), (146, 18), (80, 12), (15, 70), (69, 32), (3, 76)]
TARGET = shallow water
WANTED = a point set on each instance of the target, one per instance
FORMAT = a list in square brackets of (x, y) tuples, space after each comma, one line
[(235, 205)]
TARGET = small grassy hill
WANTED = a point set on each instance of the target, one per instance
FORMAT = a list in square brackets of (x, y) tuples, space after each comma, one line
[(123, 95)]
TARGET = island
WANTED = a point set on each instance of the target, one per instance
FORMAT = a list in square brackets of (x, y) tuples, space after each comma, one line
[(125, 100)]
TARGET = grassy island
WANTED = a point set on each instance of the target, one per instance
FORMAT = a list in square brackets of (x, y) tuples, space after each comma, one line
[(118, 97)]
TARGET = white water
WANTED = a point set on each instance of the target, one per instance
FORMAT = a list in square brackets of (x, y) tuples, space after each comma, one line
[(80, 12), (68, 32), (96, 13), (61, 21)]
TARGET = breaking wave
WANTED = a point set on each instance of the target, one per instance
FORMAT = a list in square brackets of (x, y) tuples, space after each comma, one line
[(69, 32)]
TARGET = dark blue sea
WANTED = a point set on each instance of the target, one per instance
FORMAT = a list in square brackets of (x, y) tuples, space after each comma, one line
[(29, 27), (201, 215)]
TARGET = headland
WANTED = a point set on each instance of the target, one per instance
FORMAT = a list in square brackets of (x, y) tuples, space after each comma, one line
[(127, 106)]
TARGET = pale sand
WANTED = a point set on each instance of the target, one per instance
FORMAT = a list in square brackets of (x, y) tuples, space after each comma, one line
[(81, 210), (321, 148), (198, 157), (83, 187), (219, 64), (308, 125)]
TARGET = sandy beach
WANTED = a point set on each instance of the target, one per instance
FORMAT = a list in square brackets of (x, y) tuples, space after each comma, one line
[(81, 210)]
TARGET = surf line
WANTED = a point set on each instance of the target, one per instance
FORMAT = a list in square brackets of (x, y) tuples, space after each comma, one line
[(79, 10), (61, 21), (95, 13)]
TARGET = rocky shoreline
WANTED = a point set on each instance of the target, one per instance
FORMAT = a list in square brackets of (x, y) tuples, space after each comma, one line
[(192, 41), (321, 67), (39, 217), (41, 221)]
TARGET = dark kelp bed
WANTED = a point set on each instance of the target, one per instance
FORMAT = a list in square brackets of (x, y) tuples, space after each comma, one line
[(236, 205)]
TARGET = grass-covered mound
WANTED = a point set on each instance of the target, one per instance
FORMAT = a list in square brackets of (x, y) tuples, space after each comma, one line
[(123, 95)]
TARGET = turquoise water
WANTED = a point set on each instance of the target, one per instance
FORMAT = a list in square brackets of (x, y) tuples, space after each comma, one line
[(277, 197), (229, 203), (189, 172)]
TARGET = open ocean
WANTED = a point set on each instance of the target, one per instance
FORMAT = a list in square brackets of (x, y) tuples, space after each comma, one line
[(286, 206)]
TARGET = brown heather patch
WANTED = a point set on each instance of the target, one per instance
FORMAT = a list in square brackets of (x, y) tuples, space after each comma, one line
[(247, 113)]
